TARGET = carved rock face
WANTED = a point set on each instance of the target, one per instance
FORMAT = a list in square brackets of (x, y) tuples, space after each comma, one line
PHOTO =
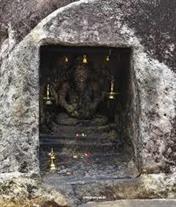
[(81, 76), (90, 23)]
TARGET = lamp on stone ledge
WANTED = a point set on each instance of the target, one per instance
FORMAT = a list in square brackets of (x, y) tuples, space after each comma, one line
[(52, 157), (112, 94), (48, 98)]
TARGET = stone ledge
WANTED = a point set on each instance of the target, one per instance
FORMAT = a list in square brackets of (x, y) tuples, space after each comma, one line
[(26, 192), (134, 203)]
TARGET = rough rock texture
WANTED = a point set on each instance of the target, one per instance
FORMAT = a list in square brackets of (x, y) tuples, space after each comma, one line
[(133, 203), (146, 186), (143, 187), (153, 83), (25, 192), (152, 21), (23, 15)]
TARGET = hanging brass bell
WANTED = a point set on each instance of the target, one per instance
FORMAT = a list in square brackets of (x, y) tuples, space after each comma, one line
[(108, 56)]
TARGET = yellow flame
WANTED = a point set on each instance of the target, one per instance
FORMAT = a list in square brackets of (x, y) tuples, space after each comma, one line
[(107, 58), (85, 59), (66, 59)]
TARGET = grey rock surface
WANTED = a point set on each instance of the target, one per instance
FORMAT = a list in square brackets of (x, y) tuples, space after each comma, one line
[(134, 203), (19, 192), (153, 87), (156, 33), (98, 189)]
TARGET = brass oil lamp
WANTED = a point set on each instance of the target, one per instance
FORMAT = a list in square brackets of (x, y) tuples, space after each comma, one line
[(52, 157), (85, 61), (48, 98), (112, 94), (107, 58), (66, 60)]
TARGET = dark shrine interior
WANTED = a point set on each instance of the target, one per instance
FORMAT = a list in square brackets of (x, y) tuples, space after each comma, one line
[(85, 98)]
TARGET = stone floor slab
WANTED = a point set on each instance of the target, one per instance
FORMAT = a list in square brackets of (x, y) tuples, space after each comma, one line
[(134, 203)]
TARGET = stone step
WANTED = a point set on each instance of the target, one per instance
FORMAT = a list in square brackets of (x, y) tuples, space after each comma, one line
[(97, 136), (77, 140), (108, 155), (93, 189), (73, 130), (79, 144), (134, 203), (81, 147), (65, 119), (110, 161)]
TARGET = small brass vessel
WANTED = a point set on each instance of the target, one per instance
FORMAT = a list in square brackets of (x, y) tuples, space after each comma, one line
[(112, 94), (48, 99), (52, 157)]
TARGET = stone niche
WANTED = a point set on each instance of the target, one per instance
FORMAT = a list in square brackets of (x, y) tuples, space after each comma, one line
[(147, 94), (86, 110)]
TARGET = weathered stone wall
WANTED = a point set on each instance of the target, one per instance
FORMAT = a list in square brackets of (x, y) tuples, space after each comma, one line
[(154, 86), (153, 22)]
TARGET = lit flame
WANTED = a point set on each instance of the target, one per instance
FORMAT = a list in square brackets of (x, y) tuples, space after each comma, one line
[(85, 59)]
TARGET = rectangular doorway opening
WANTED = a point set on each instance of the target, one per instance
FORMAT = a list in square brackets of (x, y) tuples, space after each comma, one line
[(85, 112)]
